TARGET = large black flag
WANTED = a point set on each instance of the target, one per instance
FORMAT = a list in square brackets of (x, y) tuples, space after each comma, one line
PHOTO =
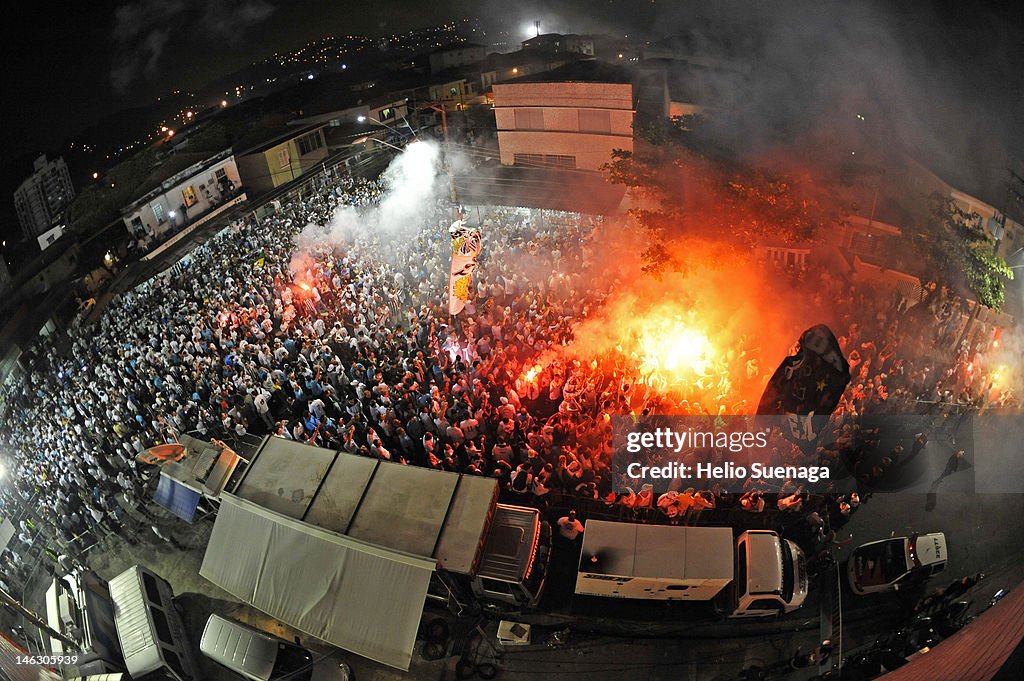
[(810, 382)]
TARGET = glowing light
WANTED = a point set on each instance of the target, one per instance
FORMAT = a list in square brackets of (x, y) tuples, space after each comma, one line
[(515, 70), (309, 77), (361, 119), (170, 133), (95, 176), (188, 114), (305, 287), (531, 374), (223, 103), (172, 214), (673, 349)]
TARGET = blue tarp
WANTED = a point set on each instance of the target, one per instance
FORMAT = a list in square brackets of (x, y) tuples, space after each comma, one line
[(176, 498)]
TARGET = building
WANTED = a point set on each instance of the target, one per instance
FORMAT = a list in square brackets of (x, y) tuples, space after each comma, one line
[(455, 56), (571, 117), (5, 277), (42, 198), (284, 157), (189, 188), (557, 43)]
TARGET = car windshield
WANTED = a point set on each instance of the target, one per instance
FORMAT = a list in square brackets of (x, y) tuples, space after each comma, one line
[(293, 663), (787, 572), (881, 563)]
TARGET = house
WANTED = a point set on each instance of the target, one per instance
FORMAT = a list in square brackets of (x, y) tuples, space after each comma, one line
[(188, 187), (571, 117), (271, 158)]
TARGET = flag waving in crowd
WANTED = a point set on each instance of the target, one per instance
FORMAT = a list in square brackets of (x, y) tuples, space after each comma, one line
[(811, 382), (466, 246)]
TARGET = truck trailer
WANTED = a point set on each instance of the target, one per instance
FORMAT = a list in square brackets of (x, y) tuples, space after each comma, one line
[(311, 535), (754, 574)]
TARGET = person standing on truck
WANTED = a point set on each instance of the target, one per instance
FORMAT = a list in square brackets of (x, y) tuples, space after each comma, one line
[(569, 527)]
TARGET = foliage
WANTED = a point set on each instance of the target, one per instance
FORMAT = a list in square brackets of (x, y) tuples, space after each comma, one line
[(689, 186), (100, 203), (960, 250)]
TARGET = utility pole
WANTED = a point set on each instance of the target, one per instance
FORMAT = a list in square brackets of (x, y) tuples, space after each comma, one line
[(536, 25), (447, 162), (35, 619)]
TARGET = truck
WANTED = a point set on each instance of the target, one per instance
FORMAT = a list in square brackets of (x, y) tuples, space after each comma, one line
[(754, 574), (129, 624), (78, 605), (383, 533)]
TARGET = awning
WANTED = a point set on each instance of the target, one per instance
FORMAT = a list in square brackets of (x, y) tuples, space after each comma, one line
[(359, 597)]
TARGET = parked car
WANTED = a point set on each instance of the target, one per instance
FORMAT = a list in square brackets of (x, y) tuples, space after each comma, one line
[(259, 656), (892, 564)]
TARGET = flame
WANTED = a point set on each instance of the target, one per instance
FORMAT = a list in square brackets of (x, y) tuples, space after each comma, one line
[(531, 374), (674, 350), (305, 287)]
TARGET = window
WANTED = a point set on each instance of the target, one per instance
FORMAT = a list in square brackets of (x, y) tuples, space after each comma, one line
[(545, 160), (158, 212), (529, 119), (765, 604), (188, 196), (496, 587), (595, 121), (174, 662), (152, 588), (310, 143), (454, 92), (386, 114), (284, 159), (162, 626)]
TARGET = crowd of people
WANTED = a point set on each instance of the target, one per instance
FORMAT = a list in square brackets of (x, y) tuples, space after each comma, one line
[(278, 326)]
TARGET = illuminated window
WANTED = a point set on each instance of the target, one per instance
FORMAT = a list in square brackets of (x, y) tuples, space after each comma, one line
[(284, 159), (188, 196), (158, 212)]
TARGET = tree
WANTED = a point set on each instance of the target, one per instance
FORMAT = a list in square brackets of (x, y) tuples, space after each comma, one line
[(691, 186), (962, 254)]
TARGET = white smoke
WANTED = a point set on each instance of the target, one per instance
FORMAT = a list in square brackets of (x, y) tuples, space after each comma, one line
[(412, 185)]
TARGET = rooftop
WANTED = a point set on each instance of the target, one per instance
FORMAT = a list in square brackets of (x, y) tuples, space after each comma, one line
[(582, 71)]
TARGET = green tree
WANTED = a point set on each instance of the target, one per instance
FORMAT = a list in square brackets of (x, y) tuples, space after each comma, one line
[(962, 254), (689, 186)]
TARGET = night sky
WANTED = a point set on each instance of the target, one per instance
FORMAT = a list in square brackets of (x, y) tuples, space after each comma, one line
[(950, 76)]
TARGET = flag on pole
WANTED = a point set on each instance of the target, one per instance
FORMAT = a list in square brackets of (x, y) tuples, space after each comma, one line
[(466, 245)]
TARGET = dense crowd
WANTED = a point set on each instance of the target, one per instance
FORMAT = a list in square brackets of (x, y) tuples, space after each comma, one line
[(347, 344)]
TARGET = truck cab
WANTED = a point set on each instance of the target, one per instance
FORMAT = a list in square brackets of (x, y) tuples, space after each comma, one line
[(513, 563), (771, 575)]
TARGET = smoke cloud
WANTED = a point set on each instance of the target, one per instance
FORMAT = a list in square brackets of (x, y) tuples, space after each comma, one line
[(142, 30)]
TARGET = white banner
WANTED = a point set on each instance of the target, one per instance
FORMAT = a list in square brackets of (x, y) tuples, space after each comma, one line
[(466, 245)]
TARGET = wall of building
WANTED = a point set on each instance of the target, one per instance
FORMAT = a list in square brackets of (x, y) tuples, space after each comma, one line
[(153, 215), (461, 56), (264, 170), (543, 124)]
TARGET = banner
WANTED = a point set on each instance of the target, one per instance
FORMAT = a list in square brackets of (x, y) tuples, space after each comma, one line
[(466, 245)]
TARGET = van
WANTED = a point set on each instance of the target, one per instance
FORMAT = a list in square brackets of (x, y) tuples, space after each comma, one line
[(772, 575), (259, 656), (149, 628), (891, 564)]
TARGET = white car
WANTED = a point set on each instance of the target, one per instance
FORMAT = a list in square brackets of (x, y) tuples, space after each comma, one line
[(259, 656), (891, 564)]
